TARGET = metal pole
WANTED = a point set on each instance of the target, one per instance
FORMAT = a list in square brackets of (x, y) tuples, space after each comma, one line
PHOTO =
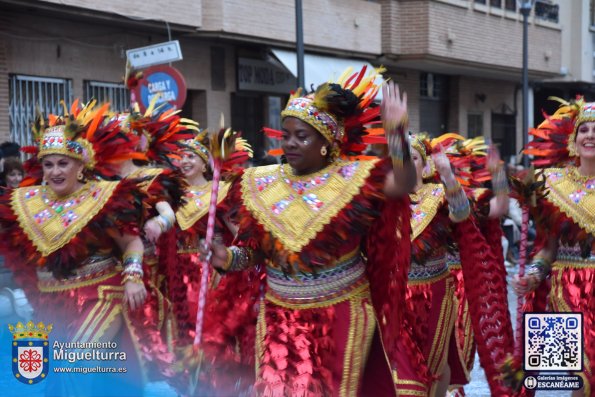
[(299, 39), (525, 10)]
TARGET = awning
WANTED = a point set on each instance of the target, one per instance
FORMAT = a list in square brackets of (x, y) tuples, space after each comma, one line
[(320, 69)]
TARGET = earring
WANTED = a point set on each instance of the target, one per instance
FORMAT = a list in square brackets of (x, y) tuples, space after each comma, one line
[(80, 177), (323, 151), (204, 168), (43, 182)]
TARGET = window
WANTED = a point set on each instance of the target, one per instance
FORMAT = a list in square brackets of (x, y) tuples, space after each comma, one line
[(496, 3), (116, 94), (480, 1), (28, 93), (431, 85), (510, 5), (474, 124), (546, 10), (433, 103), (504, 134)]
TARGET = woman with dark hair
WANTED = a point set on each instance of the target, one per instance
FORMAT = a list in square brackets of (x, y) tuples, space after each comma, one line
[(324, 226), (12, 172)]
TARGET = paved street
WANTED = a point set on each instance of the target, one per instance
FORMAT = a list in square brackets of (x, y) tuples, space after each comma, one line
[(478, 386)]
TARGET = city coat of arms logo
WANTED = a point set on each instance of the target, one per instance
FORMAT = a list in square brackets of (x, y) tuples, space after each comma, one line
[(30, 351)]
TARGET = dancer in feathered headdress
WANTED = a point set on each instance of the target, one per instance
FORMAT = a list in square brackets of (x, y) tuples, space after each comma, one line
[(225, 362), (160, 135), (563, 208), (73, 240), (430, 312), (308, 221)]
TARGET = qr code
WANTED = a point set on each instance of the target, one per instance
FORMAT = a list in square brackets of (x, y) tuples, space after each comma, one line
[(553, 341)]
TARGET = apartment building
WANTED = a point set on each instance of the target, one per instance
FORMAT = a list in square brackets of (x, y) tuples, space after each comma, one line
[(459, 60), (577, 76)]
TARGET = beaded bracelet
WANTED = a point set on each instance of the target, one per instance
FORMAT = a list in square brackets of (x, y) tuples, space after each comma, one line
[(398, 145), (539, 268), (134, 278), (229, 260), (500, 182), (241, 258), (133, 263)]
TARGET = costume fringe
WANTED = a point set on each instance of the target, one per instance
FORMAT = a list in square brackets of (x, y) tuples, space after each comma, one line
[(488, 304)]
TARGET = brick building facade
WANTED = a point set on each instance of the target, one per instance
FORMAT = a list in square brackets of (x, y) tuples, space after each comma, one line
[(459, 60)]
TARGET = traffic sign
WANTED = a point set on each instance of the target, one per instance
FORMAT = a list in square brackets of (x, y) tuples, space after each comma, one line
[(155, 54), (166, 83)]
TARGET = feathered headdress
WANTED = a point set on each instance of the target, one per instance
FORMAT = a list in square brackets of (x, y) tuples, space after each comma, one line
[(467, 156), (161, 134), (199, 145), (553, 141), (342, 112), (228, 148), (86, 133)]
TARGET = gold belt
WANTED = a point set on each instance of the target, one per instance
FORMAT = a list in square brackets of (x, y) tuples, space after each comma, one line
[(95, 270)]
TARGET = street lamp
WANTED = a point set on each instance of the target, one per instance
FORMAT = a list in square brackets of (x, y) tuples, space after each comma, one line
[(299, 41), (525, 7)]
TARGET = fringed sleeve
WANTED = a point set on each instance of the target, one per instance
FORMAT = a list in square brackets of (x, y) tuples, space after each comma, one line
[(488, 302), (169, 185), (389, 251)]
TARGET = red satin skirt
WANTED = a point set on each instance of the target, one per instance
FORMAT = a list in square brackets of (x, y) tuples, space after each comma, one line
[(429, 321), (573, 290), (462, 346), (320, 349)]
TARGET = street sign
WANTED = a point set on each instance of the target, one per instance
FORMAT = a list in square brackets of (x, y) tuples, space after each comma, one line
[(163, 81), (155, 54)]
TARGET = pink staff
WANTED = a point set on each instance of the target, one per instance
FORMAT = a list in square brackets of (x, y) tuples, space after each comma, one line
[(222, 146), (525, 190)]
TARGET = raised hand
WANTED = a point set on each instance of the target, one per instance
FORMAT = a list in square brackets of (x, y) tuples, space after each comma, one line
[(493, 161), (393, 108), (442, 165)]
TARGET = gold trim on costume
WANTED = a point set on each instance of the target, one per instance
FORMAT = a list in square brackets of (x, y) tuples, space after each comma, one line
[(296, 208), (573, 194), (94, 324), (197, 203), (424, 206), (436, 360), (361, 290), (359, 342), (261, 330), (51, 222), (466, 350)]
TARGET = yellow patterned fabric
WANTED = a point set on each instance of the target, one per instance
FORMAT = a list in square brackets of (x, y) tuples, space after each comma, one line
[(424, 206), (294, 209), (574, 194), (198, 199), (51, 222)]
